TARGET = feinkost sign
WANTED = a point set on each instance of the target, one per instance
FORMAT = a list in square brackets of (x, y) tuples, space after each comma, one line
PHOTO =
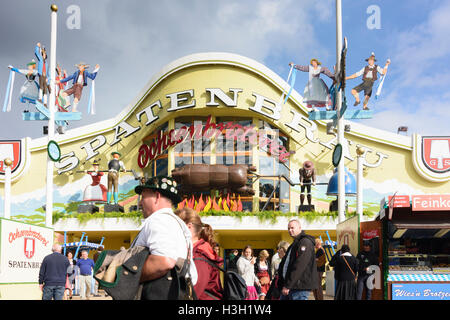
[(23, 247), (431, 202)]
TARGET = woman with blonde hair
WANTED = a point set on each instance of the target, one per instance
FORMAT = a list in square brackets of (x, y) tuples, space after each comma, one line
[(208, 286), (263, 272)]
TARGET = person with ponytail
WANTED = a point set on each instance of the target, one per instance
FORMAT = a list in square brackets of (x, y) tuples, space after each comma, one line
[(208, 285)]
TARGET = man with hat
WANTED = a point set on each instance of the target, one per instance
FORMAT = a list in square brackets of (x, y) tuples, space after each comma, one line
[(307, 177), (79, 78), (370, 75), (43, 71), (114, 166), (165, 235), (365, 259)]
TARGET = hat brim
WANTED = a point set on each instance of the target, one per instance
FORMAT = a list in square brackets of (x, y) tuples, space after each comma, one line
[(173, 197), (371, 58)]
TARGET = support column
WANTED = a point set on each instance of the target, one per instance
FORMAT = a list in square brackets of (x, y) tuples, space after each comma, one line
[(7, 201)]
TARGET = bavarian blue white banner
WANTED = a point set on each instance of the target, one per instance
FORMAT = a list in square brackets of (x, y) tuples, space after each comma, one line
[(294, 76), (418, 277)]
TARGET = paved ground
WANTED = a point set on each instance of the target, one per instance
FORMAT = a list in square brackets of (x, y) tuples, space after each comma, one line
[(102, 297)]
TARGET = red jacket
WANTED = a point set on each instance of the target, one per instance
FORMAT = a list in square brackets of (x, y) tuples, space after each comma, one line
[(208, 276)]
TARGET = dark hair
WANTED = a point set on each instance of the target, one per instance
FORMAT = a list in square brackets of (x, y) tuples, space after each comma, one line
[(247, 247), (204, 231), (345, 248)]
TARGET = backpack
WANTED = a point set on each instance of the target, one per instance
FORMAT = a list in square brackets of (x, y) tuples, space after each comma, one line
[(234, 287)]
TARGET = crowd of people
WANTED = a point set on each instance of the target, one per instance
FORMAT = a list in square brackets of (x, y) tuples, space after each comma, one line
[(180, 240), (59, 274)]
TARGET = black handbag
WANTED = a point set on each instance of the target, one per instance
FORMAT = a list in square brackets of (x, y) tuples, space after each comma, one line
[(125, 275), (173, 286)]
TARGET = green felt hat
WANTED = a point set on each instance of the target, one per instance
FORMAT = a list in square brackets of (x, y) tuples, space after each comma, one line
[(31, 63), (115, 152), (165, 185)]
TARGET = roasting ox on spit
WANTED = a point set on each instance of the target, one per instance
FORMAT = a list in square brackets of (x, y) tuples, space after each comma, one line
[(204, 177)]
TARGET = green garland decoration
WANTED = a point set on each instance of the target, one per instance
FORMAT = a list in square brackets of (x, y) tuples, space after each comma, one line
[(262, 216)]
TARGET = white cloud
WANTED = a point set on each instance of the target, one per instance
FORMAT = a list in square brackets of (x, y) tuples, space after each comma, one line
[(390, 187)]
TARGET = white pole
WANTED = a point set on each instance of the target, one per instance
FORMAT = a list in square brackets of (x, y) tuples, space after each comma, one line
[(340, 124), (7, 212), (51, 121), (359, 182)]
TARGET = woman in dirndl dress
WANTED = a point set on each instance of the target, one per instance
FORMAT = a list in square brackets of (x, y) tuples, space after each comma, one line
[(316, 93), (29, 92), (246, 269), (263, 272)]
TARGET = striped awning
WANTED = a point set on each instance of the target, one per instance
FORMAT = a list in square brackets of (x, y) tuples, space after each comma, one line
[(84, 244), (418, 277)]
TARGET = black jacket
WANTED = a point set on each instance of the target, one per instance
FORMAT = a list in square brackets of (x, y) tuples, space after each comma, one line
[(342, 272), (301, 272), (365, 259), (231, 263)]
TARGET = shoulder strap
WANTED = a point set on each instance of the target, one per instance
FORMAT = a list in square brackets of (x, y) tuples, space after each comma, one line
[(210, 263), (349, 266), (188, 245), (135, 239)]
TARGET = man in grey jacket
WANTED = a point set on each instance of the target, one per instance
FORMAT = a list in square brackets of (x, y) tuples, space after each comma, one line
[(298, 269)]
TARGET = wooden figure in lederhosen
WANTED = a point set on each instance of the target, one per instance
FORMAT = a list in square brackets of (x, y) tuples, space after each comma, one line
[(307, 178), (114, 166), (370, 75)]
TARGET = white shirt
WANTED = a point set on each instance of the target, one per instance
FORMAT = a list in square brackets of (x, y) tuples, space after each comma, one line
[(122, 166), (164, 236), (247, 271), (80, 78), (369, 72)]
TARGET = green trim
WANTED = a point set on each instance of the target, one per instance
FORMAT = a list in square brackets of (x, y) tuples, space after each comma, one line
[(337, 152), (97, 266), (31, 224), (53, 143)]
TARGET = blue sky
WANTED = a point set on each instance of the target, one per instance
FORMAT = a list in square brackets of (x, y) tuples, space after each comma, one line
[(132, 40)]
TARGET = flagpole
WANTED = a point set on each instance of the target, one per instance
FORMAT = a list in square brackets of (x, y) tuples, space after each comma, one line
[(51, 121), (7, 163), (340, 122)]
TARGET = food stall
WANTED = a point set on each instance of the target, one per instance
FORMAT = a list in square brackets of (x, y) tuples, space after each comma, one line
[(416, 247)]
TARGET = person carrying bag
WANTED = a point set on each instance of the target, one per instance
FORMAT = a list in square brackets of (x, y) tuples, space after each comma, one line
[(127, 275)]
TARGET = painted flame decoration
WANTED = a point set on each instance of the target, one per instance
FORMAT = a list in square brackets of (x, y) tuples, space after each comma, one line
[(204, 205)]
